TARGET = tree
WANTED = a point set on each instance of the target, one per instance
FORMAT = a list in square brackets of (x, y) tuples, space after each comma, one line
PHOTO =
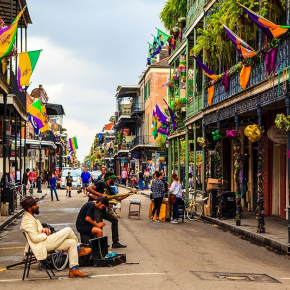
[(173, 9)]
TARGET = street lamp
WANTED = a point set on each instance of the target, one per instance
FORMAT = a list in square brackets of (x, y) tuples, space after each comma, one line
[(40, 161)]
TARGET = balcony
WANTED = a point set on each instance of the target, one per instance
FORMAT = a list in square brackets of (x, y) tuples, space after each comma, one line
[(146, 140), (194, 105), (137, 108), (124, 146), (258, 75), (194, 11), (124, 112)]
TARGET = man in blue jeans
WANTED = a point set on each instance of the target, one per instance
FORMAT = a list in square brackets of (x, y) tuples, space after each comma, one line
[(86, 178)]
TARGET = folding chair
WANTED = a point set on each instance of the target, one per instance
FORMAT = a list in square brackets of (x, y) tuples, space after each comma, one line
[(30, 259)]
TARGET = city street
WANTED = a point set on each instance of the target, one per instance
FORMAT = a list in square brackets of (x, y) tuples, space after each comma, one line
[(189, 255)]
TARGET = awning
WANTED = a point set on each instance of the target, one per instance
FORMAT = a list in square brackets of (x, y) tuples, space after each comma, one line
[(34, 144)]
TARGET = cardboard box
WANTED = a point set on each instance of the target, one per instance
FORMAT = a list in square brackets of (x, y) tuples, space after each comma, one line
[(211, 182)]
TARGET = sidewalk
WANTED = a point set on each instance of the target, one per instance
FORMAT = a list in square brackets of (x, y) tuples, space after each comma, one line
[(276, 236), (6, 220)]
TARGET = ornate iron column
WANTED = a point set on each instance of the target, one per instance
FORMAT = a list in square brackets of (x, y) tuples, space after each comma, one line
[(287, 102)]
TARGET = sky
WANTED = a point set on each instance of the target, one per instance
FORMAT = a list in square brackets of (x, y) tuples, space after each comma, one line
[(89, 48)]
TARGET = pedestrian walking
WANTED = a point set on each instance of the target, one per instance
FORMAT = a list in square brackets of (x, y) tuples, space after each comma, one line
[(68, 184), (25, 180), (157, 195), (124, 176), (140, 177), (18, 177), (176, 189), (52, 185), (86, 179), (146, 178)]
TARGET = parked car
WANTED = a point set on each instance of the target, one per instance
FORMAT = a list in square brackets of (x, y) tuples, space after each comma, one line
[(96, 174), (75, 174)]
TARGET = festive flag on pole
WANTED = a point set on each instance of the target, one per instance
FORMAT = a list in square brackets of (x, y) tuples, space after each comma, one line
[(34, 125), (36, 112), (73, 143), (173, 116), (205, 69), (154, 131), (162, 37), (7, 36), (241, 46), (27, 62), (150, 57), (45, 120), (161, 122), (271, 29), (156, 45)]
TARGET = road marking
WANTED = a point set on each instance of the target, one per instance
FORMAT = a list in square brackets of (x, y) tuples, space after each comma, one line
[(127, 274), (15, 280), (12, 248), (285, 278)]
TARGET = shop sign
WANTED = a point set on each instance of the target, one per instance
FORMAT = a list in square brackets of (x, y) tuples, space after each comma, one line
[(277, 136), (33, 146)]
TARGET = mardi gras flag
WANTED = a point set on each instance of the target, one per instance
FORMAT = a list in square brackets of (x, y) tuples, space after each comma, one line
[(34, 125), (35, 111), (205, 69), (154, 131), (27, 62), (151, 56), (271, 29), (241, 46), (162, 37), (73, 143), (161, 121), (172, 115), (7, 36), (44, 120), (156, 45)]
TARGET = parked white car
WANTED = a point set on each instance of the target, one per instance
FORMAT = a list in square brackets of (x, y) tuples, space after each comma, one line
[(75, 174), (96, 174)]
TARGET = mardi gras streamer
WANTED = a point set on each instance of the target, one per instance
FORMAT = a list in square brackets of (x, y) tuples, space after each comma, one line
[(232, 134), (282, 122), (260, 198), (253, 133), (219, 175), (237, 165)]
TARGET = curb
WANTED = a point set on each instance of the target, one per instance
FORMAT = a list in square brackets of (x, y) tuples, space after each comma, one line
[(15, 216), (279, 247)]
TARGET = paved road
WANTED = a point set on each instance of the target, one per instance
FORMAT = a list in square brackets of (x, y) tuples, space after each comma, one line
[(192, 255)]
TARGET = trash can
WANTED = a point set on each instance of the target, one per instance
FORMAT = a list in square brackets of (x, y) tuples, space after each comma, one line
[(11, 198), (229, 204)]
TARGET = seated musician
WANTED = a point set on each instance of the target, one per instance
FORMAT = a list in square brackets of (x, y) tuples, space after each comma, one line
[(103, 189), (85, 223)]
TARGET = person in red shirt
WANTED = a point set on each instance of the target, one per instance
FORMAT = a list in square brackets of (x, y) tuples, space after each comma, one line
[(32, 178)]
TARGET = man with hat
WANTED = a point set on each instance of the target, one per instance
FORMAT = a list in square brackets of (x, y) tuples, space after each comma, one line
[(41, 240), (104, 189)]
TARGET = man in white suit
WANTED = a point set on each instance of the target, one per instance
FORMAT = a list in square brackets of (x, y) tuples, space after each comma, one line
[(41, 240)]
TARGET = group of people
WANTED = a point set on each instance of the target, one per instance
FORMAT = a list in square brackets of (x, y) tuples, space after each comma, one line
[(158, 191), (89, 222)]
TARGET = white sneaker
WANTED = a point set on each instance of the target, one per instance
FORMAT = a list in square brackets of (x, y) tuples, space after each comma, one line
[(174, 222), (158, 221)]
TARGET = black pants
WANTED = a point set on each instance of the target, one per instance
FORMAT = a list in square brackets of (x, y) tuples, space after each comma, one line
[(157, 205), (100, 215)]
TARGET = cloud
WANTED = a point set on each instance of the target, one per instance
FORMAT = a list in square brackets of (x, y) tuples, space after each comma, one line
[(89, 49)]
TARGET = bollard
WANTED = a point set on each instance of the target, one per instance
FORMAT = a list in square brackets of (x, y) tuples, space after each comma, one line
[(39, 184)]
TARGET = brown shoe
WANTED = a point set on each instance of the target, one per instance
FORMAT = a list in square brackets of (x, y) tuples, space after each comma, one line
[(84, 251), (74, 273)]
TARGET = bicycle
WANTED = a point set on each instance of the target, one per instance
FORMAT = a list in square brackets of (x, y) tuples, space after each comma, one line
[(194, 208)]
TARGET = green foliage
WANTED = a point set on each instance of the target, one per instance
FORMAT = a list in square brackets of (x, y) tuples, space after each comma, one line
[(120, 138), (214, 42), (173, 9), (160, 142)]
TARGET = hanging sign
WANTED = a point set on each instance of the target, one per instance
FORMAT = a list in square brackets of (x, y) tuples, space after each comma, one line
[(276, 135)]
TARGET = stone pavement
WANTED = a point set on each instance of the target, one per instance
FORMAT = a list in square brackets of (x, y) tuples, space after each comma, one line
[(6, 220), (276, 236)]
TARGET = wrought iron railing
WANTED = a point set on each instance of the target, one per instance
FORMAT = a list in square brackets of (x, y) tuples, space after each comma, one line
[(258, 74), (194, 105), (194, 12), (125, 112), (137, 108), (124, 146), (21, 96), (142, 140)]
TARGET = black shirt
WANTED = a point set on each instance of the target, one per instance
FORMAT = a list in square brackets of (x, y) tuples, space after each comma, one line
[(103, 188), (69, 180), (140, 175), (88, 209)]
